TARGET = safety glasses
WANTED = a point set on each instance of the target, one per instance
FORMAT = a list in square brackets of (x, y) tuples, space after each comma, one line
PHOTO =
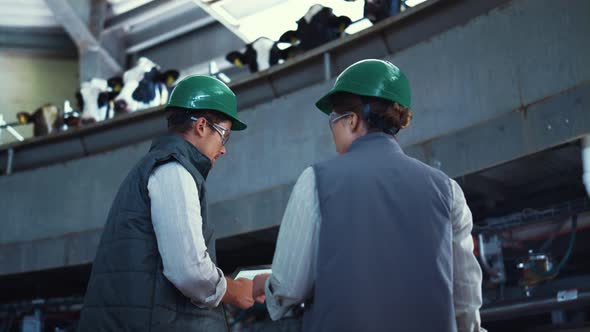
[(223, 132), (340, 111), (335, 117)]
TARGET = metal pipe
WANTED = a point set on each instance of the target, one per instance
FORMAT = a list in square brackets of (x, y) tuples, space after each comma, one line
[(9, 160), (8, 127), (543, 230), (53, 303), (586, 162), (532, 307), (15, 133), (327, 66), (3, 124)]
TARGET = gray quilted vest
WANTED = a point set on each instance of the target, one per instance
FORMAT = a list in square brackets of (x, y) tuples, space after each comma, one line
[(385, 245), (127, 290)]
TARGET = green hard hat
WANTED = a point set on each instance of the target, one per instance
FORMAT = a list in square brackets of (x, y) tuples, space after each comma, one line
[(200, 92), (370, 78)]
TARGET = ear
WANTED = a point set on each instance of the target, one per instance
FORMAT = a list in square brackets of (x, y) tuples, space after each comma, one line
[(343, 23), (23, 118), (236, 58), (169, 77), (199, 127), (355, 122), (153, 75), (290, 37), (115, 83), (103, 99), (79, 100)]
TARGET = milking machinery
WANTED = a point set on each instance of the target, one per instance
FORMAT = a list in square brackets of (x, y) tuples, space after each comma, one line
[(533, 263)]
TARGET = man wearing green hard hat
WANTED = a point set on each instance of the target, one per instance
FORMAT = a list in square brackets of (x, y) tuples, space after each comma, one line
[(374, 240), (155, 268)]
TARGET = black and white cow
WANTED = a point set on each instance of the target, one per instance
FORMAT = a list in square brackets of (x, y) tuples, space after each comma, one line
[(47, 119), (95, 99), (144, 86), (378, 10), (258, 55), (318, 26)]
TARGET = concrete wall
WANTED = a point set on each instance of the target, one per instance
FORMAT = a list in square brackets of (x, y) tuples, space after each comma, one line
[(31, 80), (516, 55), (513, 58)]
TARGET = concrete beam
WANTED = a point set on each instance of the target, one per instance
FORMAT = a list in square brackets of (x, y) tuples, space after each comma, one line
[(92, 54), (41, 40), (541, 125), (61, 251)]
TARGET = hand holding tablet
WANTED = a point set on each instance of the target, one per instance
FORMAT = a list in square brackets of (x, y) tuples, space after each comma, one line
[(258, 274), (250, 274)]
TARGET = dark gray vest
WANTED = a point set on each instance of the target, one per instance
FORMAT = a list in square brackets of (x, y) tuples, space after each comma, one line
[(385, 246), (127, 290)]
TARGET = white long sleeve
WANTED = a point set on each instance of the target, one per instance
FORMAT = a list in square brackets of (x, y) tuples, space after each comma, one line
[(467, 274), (176, 216), (295, 257)]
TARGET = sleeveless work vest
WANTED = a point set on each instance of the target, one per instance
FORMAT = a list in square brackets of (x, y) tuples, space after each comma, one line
[(385, 244), (127, 290)]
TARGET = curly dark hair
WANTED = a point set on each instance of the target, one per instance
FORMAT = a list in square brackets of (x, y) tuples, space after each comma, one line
[(391, 114)]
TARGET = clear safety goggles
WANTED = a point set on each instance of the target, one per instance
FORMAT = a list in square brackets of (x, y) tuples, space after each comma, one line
[(223, 132), (334, 117)]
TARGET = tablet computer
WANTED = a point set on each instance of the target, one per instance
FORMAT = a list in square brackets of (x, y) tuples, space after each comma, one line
[(249, 272)]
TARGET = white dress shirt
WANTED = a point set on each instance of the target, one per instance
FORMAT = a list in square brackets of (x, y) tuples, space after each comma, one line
[(176, 216), (294, 262)]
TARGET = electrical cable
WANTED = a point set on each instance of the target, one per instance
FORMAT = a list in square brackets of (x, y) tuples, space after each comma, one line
[(554, 233), (555, 271)]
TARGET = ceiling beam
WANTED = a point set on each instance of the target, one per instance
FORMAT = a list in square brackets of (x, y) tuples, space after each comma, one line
[(80, 33), (227, 21), (139, 14), (171, 34)]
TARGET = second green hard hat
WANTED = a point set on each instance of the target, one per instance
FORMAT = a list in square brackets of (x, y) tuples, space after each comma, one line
[(200, 92), (370, 78)]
